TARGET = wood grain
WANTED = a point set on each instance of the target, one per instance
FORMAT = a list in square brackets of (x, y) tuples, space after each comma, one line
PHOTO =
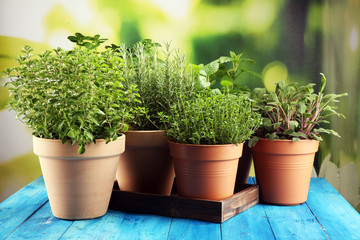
[(245, 196), (326, 215)]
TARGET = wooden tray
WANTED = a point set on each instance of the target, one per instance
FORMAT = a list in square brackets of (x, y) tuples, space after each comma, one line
[(246, 196)]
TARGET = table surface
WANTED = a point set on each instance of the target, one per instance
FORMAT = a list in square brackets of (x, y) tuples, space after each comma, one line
[(326, 215)]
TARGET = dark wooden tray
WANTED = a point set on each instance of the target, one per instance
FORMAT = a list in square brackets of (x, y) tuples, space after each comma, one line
[(246, 196)]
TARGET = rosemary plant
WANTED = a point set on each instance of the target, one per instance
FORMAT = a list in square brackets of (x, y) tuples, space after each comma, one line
[(159, 80)]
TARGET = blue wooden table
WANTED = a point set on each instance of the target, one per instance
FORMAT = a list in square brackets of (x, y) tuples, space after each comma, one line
[(326, 215)]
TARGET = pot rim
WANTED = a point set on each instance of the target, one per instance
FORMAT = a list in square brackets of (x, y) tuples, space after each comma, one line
[(59, 140), (288, 140), (205, 145), (144, 131)]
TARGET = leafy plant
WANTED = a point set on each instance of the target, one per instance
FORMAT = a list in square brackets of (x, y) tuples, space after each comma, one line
[(87, 41), (293, 112), (75, 96), (211, 119), (159, 79), (224, 72)]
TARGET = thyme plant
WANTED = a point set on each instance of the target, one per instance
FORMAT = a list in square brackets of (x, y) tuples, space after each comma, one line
[(295, 113), (75, 96), (211, 119)]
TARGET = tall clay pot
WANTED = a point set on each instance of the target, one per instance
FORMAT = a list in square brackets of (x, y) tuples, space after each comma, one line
[(78, 186), (146, 165), (283, 170), (205, 171)]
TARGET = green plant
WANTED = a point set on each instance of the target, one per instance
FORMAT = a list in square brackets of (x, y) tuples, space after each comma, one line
[(224, 72), (87, 41), (293, 112), (159, 80), (211, 119), (75, 96)]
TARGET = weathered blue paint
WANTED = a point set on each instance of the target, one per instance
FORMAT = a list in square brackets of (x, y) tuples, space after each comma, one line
[(43, 225), (143, 226), (194, 229), (338, 218), (296, 222), (251, 224), (18, 207), (27, 215), (105, 227)]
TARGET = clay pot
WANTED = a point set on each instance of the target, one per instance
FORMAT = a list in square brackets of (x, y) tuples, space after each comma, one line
[(78, 186), (205, 171), (283, 170), (244, 166), (146, 165)]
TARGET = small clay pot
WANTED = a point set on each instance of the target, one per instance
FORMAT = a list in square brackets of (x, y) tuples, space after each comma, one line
[(78, 186), (283, 170), (205, 171), (146, 165)]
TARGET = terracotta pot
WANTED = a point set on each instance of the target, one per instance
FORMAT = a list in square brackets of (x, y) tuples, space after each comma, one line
[(283, 170), (78, 186), (245, 161), (205, 171), (146, 165)]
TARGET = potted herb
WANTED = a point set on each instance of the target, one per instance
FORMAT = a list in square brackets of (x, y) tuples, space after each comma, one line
[(224, 73), (284, 146), (76, 105), (206, 135), (146, 165)]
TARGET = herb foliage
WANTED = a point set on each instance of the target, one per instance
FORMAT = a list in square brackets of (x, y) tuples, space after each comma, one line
[(160, 73), (295, 113), (75, 96), (222, 73), (211, 119)]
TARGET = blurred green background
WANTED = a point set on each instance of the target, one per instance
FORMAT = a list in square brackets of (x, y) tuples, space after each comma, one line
[(289, 40)]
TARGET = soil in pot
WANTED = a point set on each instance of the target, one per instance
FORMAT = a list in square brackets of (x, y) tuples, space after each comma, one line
[(146, 165), (78, 186), (205, 171), (283, 170)]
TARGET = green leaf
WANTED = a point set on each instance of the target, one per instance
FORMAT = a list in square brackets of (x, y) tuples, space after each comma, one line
[(298, 134), (224, 59), (316, 137), (72, 38), (125, 128), (288, 131), (211, 68), (114, 137), (71, 133), (226, 84), (302, 107), (273, 136), (293, 124), (81, 149), (89, 135), (98, 111), (253, 140), (215, 91), (90, 46), (323, 82), (201, 83)]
